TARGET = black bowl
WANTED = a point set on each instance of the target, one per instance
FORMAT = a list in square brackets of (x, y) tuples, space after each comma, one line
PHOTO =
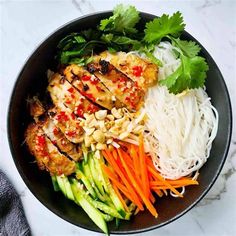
[(32, 80)]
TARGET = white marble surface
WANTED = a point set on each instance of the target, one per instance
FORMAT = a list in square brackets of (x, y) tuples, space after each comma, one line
[(23, 24)]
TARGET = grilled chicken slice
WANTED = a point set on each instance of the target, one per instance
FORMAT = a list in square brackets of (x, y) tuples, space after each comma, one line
[(138, 69), (124, 89), (46, 153), (67, 122), (64, 94), (60, 140), (91, 87)]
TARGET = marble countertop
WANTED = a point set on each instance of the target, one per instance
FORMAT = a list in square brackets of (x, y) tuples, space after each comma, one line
[(24, 24)]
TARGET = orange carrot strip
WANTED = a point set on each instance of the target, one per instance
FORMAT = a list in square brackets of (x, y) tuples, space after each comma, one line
[(159, 177), (136, 211), (146, 201), (121, 198), (114, 153), (175, 182), (155, 174), (112, 162), (152, 198), (143, 167), (116, 182), (158, 192), (135, 160)]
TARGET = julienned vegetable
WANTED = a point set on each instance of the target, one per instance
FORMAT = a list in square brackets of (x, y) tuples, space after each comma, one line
[(115, 137)]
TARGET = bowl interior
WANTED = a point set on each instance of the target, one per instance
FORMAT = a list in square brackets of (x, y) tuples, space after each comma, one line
[(32, 80)]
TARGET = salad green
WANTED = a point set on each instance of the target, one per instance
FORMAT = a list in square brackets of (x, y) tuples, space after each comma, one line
[(119, 33)]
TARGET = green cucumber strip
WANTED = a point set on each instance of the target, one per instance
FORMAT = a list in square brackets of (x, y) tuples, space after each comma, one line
[(117, 223), (69, 192), (100, 173), (85, 152), (86, 182), (87, 173), (105, 208), (55, 184), (107, 217), (93, 213), (61, 184), (95, 174), (115, 199)]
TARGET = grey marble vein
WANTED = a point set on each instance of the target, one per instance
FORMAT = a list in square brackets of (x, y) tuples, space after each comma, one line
[(77, 6), (209, 3)]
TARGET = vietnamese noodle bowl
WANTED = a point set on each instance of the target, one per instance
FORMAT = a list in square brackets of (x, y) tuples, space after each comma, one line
[(181, 128)]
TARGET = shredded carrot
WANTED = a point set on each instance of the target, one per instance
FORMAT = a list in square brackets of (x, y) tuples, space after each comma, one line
[(143, 168), (116, 182), (136, 211), (121, 198), (183, 182), (114, 153), (135, 158), (159, 177), (146, 201), (158, 192), (116, 168)]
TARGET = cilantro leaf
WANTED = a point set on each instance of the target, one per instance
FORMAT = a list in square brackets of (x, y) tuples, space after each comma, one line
[(190, 74), (189, 48), (123, 20), (164, 26), (112, 39)]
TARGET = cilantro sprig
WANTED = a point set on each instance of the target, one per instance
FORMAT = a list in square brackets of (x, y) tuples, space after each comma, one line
[(119, 33), (163, 26), (123, 20)]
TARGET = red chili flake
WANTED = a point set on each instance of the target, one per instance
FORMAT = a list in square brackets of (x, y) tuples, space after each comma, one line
[(41, 140), (99, 89), (55, 131), (94, 80), (86, 77), (137, 70), (79, 111), (62, 116), (90, 96), (70, 90), (68, 102), (92, 108), (122, 79), (54, 142), (72, 96), (71, 133), (72, 116)]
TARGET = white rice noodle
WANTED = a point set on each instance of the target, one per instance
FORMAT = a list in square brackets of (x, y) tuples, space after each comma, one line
[(182, 128)]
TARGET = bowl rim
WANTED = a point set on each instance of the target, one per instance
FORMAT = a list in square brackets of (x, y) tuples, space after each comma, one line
[(57, 212)]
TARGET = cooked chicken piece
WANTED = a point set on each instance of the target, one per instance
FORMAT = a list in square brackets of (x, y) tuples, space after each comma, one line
[(36, 107), (91, 87), (64, 94), (46, 153), (123, 88), (60, 140), (136, 68), (67, 123)]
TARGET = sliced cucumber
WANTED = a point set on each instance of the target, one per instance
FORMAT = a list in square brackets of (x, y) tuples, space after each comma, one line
[(61, 184), (55, 184), (80, 175), (92, 212), (115, 199), (85, 152), (69, 192), (95, 174)]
